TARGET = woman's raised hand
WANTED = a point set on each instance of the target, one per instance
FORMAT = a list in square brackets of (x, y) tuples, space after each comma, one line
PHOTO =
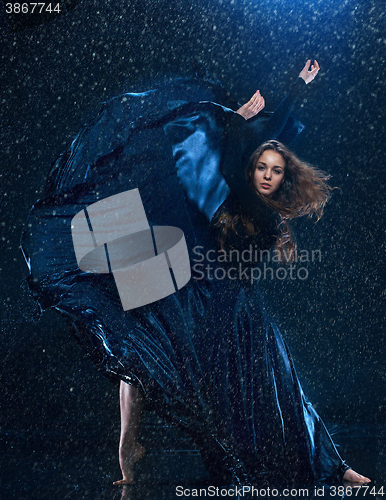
[(255, 104), (309, 75)]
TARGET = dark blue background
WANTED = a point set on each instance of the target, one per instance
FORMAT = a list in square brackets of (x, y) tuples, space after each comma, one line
[(54, 79)]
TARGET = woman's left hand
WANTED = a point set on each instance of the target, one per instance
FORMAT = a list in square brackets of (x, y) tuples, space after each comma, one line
[(255, 104), (307, 75)]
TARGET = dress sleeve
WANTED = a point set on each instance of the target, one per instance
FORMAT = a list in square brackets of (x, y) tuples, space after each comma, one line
[(242, 140)]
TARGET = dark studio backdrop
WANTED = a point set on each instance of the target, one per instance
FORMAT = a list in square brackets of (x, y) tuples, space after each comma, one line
[(54, 79)]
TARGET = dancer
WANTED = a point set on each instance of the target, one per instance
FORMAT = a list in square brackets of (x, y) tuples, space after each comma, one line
[(182, 355), (239, 225)]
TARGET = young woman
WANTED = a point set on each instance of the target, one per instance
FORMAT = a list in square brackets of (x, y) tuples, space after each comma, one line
[(282, 437), (208, 358), (288, 436)]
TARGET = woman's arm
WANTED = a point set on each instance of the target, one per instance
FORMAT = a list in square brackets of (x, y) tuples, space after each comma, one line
[(244, 138), (233, 170), (257, 102), (279, 118)]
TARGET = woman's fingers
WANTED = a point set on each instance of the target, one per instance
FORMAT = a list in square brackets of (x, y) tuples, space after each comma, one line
[(259, 105), (314, 69), (255, 97), (257, 102), (307, 65), (315, 66)]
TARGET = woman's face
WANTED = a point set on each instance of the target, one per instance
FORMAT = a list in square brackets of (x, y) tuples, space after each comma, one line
[(269, 172)]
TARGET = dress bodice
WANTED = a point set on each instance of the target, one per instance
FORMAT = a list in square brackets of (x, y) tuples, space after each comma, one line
[(260, 233)]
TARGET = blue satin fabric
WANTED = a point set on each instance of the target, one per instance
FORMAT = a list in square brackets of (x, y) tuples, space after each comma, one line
[(207, 358)]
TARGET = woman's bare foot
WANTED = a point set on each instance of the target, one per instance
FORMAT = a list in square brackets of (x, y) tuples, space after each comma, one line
[(353, 477), (127, 459)]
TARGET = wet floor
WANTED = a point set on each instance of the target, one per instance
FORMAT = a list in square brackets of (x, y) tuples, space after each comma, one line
[(82, 463)]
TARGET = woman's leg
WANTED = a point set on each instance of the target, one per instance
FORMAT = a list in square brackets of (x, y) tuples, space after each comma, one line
[(130, 451)]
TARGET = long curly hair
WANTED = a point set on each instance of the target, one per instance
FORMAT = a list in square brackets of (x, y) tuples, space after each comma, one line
[(304, 191)]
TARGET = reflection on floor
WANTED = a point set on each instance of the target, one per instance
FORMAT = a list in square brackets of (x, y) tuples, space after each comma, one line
[(80, 463)]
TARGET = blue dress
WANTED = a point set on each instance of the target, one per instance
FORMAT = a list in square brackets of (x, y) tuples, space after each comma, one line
[(208, 358)]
